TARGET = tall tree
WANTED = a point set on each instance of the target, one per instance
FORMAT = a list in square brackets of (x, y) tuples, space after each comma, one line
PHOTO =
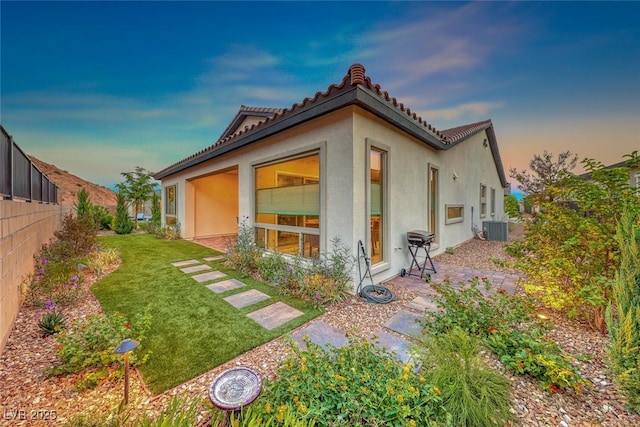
[(137, 188), (545, 171)]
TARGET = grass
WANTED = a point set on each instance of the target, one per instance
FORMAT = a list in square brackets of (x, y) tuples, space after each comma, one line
[(193, 329)]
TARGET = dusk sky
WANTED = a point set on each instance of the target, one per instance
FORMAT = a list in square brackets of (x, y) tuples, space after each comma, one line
[(98, 88)]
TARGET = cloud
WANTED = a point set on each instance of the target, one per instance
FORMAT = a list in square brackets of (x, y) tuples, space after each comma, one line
[(470, 110)]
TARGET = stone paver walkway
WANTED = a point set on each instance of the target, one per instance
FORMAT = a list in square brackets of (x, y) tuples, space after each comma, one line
[(195, 268), (247, 298), (274, 315), (225, 285), (211, 275)]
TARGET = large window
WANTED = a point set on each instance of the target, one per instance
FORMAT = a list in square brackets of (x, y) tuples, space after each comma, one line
[(483, 200), (493, 202), (433, 200), (170, 205), (287, 205), (377, 177)]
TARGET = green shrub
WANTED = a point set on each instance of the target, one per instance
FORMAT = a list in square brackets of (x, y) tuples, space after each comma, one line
[(122, 224), (532, 354), (248, 417), (242, 253), (356, 385), (89, 343), (473, 394), (52, 322), (477, 313), (623, 312), (511, 206), (450, 250), (102, 217)]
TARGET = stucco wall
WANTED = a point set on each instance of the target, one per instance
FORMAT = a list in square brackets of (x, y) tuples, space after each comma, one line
[(24, 227), (343, 138)]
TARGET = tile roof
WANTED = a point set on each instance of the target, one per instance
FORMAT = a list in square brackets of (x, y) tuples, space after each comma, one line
[(355, 88), (460, 132)]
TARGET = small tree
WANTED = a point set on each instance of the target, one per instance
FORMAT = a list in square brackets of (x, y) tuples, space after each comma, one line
[(545, 171), (156, 214), (138, 187), (623, 313), (511, 206), (83, 205), (122, 223)]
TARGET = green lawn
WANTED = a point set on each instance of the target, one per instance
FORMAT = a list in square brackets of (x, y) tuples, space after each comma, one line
[(193, 329)]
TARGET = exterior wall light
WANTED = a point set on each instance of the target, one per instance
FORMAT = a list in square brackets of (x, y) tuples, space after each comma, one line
[(125, 347), (485, 143)]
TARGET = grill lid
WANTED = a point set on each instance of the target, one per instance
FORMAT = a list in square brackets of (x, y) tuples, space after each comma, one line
[(421, 236)]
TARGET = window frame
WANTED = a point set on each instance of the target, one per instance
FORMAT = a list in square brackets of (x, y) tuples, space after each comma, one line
[(483, 200), (384, 231), (171, 215), (492, 203), (456, 219)]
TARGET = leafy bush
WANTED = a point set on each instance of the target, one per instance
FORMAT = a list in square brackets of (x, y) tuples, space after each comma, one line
[(503, 323), (570, 253), (77, 237), (477, 313), (248, 417), (473, 394), (356, 385), (102, 217), (623, 312), (90, 343), (511, 206), (532, 354), (52, 322), (242, 253)]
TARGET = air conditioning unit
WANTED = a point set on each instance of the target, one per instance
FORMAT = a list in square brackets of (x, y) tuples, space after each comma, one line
[(496, 230)]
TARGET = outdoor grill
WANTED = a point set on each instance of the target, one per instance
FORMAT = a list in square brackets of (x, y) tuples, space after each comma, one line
[(420, 241)]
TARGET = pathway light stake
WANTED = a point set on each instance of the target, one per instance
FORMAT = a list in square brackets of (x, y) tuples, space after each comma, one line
[(124, 348)]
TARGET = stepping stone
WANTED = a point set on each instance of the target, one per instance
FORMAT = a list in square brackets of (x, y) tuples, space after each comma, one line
[(214, 258), (422, 303), (247, 298), (274, 315), (405, 323), (210, 275), (322, 334), (195, 268), (225, 285), (183, 263), (393, 344)]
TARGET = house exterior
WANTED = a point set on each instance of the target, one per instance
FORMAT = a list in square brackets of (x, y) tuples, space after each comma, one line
[(350, 162)]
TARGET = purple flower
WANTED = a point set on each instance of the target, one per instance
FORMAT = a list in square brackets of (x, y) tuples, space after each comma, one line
[(74, 278), (49, 305)]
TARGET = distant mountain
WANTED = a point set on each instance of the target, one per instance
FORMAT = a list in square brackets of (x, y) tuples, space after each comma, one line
[(69, 185)]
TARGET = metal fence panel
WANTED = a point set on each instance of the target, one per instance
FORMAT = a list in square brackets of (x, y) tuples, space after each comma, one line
[(5, 163), (21, 174)]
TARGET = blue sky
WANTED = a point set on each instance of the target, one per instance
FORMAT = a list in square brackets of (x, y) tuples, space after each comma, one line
[(98, 88)]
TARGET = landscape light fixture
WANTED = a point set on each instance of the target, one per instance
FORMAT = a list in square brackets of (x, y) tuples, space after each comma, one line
[(125, 347)]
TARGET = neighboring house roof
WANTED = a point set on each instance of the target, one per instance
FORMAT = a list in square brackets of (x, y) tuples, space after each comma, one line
[(355, 89), (244, 113)]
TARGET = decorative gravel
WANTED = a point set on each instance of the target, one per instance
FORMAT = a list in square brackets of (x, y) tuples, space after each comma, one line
[(25, 387)]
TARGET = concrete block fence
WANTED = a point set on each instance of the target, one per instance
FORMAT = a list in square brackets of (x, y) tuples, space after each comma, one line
[(24, 227)]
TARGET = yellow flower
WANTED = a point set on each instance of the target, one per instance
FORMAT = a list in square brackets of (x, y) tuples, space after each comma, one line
[(407, 368), (399, 398), (302, 408), (303, 360), (296, 399), (303, 369), (412, 423), (405, 377), (280, 418), (423, 380), (437, 391), (413, 390), (390, 390), (267, 408)]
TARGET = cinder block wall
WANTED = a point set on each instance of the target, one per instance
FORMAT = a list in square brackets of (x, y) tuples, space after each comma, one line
[(24, 227)]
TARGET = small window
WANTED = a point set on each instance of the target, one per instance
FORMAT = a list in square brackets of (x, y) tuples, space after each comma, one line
[(483, 200), (493, 202), (170, 205), (455, 213)]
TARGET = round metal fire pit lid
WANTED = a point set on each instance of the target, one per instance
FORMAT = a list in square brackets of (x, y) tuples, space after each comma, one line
[(235, 388)]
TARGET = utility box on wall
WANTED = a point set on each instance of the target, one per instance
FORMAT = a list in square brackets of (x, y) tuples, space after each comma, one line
[(496, 230)]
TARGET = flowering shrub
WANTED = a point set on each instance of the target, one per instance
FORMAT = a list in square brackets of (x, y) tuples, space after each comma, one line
[(56, 281), (532, 354), (89, 344), (475, 311), (503, 323), (355, 385), (100, 260)]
